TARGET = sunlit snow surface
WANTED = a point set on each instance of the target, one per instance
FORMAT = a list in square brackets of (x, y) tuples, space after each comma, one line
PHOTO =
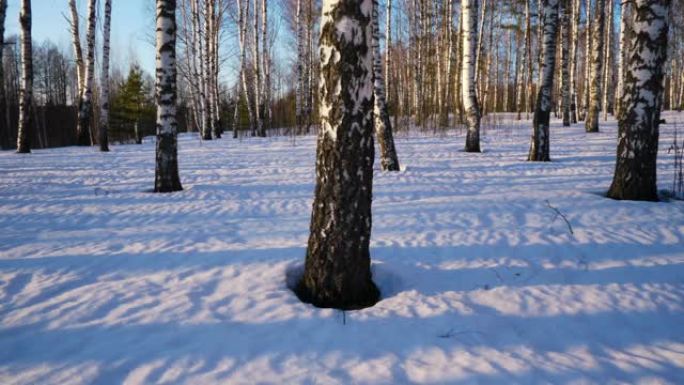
[(102, 282)]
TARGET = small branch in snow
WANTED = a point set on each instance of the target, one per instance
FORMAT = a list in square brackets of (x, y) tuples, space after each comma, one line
[(560, 214), (451, 333)]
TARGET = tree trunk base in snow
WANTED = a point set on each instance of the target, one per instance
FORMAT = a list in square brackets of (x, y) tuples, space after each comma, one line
[(327, 294), (167, 178)]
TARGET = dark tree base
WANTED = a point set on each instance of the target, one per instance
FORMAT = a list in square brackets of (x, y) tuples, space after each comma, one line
[(474, 149), (632, 193), (23, 151), (360, 299)]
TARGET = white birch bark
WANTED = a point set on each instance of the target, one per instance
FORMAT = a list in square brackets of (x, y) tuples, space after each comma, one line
[(619, 90), (607, 66), (299, 66), (86, 107), (383, 126), (26, 83), (469, 95), (638, 127), (540, 143), (166, 170), (337, 270), (574, 44), (566, 9), (594, 108), (256, 57), (104, 81), (76, 44)]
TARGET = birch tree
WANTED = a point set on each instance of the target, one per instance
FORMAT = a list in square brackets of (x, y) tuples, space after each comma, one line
[(104, 81), (469, 96), (86, 106), (26, 84), (166, 173), (594, 107), (539, 146), (608, 60), (565, 7), (78, 51), (337, 271), (383, 126), (638, 127), (4, 125), (624, 17)]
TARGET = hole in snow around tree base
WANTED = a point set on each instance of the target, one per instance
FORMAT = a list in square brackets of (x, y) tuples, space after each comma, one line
[(387, 279)]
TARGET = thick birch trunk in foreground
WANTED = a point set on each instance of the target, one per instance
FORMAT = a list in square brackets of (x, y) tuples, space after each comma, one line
[(469, 96), (591, 123), (104, 82), (166, 173), (565, 6), (26, 84), (337, 272), (637, 150), (86, 108), (539, 146), (383, 126)]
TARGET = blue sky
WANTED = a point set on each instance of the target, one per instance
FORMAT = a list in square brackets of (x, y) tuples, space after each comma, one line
[(132, 27)]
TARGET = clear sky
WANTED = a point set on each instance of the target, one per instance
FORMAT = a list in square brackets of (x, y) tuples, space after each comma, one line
[(132, 27)]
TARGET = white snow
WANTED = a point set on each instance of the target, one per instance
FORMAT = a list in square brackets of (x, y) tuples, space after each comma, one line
[(102, 282)]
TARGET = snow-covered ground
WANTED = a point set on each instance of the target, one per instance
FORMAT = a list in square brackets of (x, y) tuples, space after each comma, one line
[(102, 282)]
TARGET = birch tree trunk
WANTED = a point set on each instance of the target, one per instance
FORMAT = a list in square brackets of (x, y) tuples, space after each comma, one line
[(78, 52), (26, 84), (337, 271), (574, 44), (525, 86), (565, 6), (4, 124), (256, 56), (608, 60), (638, 128), (539, 146), (587, 58), (622, 56), (242, 26), (594, 107), (388, 49), (469, 96), (208, 72), (104, 81), (299, 88), (166, 172), (86, 108), (383, 126), (266, 60)]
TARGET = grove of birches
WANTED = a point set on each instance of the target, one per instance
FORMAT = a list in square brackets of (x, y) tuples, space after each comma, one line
[(358, 72)]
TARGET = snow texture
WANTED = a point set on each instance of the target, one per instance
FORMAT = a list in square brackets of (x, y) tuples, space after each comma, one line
[(102, 282)]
